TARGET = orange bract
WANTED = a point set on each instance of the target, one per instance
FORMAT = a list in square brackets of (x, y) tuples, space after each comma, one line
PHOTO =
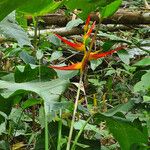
[(75, 66)]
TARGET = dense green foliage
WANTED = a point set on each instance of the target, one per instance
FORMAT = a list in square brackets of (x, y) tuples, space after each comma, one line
[(37, 102)]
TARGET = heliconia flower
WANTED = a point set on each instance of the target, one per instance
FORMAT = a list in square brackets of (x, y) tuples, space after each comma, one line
[(78, 46), (87, 23), (87, 57), (76, 66)]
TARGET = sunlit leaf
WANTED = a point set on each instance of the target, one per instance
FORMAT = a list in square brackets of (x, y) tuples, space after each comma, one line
[(110, 8), (32, 7), (144, 62), (88, 6), (40, 7), (11, 29), (50, 91)]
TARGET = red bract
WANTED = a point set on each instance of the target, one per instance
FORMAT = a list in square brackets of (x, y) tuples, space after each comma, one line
[(87, 23), (104, 54), (77, 46), (89, 31)]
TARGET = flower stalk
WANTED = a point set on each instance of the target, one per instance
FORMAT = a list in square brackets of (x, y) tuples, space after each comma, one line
[(82, 66)]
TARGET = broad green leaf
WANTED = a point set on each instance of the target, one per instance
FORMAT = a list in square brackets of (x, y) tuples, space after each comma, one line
[(125, 132), (63, 105), (144, 84), (110, 8), (120, 108), (8, 77), (15, 114), (2, 73), (73, 23), (85, 6), (50, 91), (40, 7), (22, 20), (7, 6), (33, 7), (88, 6), (124, 56), (143, 62), (10, 29)]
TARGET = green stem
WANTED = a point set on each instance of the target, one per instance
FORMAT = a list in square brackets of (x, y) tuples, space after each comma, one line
[(74, 112), (46, 131), (79, 133), (35, 20), (39, 70), (59, 133), (79, 88)]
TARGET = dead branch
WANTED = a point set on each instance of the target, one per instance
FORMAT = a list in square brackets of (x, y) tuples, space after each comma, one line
[(79, 30), (120, 17)]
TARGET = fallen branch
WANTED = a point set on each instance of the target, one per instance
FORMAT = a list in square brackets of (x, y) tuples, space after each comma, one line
[(120, 17), (129, 18), (79, 30)]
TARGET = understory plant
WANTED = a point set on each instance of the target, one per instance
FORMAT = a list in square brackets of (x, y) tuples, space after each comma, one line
[(90, 91), (85, 47)]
